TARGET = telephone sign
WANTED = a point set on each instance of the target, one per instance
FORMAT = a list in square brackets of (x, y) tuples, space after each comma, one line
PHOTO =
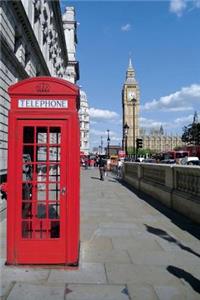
[(43, 172), (38, 103)]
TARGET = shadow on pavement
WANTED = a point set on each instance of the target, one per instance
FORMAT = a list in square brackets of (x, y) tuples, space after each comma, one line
[(112, 180), (95, 178), (178, 219), (164, 235), (180, 273)]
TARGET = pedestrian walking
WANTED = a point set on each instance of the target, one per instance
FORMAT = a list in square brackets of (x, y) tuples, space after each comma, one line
[(119, 168), (102, 163)]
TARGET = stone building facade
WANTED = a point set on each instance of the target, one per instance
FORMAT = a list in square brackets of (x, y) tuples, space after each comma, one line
[(33, 43), (70, 29), (84, 123), (161, 143)]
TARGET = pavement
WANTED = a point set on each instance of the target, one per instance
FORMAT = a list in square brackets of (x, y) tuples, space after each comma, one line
[(132, 247)]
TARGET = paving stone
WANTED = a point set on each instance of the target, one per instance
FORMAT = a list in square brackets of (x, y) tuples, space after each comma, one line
[(2, 262), (192, 270), (94, 255), (3, 252), (86, 273), (141, 292), (118, 254), (97, 292), (178, 258), (175, 293), (137, 245), (5, 288), (119, 225), (98, 243), (94, 219), (110, 232), (127, 273), (87, 232), (25, 291), (183, 236), (10, 273), (166, 245)]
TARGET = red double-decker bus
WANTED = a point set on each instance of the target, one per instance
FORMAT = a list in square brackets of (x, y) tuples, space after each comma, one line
[(174, 154), (194, 150)]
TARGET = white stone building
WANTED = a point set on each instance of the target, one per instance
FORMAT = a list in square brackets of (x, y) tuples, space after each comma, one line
[(84, 122), (32, 43), (70, 25)]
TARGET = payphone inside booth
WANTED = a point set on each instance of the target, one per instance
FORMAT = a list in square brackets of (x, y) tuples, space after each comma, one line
[(43, 172)]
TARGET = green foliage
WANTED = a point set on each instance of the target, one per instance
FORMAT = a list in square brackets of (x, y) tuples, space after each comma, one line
[(144, 152), (140, 152), (191, 133), (130, 150)]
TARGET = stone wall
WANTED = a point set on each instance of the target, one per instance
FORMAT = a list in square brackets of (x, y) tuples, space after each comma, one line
[(32, 43), (177, 187)]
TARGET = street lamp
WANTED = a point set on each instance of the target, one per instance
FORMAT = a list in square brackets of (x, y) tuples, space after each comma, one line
[(126, 128), (108, 145), (134, 101), (101, 144)]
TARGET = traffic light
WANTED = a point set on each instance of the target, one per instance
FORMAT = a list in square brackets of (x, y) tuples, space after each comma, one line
[(139, 143)]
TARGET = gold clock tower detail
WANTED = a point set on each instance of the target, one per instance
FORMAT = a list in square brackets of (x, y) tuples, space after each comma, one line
[(130, 110)]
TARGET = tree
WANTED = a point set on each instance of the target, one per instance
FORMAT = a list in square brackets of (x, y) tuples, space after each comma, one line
[(191, 133), (144, 152)]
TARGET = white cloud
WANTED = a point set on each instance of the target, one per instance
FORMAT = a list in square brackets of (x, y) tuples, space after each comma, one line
[(181, 100), (126, 27), (176, 124), (177, 7), (102, 114), (184, 120), (98, 136), (93, 122), (149, 123), (197, 3), (103, 133)]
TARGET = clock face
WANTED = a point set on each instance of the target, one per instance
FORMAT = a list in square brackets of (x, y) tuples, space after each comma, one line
[(131, 95)]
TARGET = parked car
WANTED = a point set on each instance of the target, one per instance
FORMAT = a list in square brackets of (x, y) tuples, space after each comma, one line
[(149, 160), (139, 159), (168, 161), (194, 162), (187, 159)]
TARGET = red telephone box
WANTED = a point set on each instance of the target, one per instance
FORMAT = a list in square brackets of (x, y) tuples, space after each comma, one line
[(43, 172)]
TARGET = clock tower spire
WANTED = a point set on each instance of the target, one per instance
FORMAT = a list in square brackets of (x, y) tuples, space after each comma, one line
[(130, 109), (130, 73)]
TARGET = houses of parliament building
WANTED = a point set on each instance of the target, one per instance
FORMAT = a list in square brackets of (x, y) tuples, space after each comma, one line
[(156, 141)]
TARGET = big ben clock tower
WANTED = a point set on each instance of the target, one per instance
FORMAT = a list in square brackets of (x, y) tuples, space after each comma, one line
[(130, 109)]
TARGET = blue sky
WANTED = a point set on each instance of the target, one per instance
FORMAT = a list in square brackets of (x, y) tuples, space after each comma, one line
[(163, 38)]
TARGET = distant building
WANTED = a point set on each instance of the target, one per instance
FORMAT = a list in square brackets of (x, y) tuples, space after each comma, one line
[(33, 43), (156, 140), (84, 123), (113, 150), (160, 143)]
